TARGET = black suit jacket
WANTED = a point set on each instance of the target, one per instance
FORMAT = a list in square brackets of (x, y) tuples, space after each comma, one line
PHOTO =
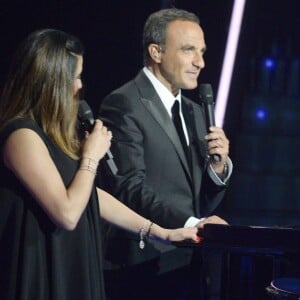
[(154, 177)]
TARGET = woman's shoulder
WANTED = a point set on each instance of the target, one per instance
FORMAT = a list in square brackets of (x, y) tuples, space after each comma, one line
[(19, 123)]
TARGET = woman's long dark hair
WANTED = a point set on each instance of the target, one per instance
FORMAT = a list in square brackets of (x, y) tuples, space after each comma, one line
[(40, 86)]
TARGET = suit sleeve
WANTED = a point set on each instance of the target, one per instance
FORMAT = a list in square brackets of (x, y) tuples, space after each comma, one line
[(130, 185)]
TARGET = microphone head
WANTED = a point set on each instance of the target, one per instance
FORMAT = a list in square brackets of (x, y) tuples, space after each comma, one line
[(206, 93), (85, 116)]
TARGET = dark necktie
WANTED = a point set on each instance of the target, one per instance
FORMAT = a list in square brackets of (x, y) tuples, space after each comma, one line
[(178, 124)]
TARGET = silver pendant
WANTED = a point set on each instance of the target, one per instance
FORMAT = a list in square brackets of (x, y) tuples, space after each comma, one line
[(142, 244)]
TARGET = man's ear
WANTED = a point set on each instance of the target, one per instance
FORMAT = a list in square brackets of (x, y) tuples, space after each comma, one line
[(155, 52)]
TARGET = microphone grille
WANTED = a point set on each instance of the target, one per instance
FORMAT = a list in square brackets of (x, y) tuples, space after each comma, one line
[(83, 108), (206, 93)]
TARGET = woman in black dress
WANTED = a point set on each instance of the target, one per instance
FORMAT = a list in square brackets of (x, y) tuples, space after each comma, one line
[(50, 229)]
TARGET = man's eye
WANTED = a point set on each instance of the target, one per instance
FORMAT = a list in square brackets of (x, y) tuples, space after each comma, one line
[(188, 49)]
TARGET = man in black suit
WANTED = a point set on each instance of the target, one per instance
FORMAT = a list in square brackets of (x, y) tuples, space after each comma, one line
[(165, 178)]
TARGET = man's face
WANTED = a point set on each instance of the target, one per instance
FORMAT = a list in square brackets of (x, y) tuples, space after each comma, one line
[(182, 56)]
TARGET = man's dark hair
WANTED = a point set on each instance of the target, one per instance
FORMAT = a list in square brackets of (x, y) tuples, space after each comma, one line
[(156, 27)]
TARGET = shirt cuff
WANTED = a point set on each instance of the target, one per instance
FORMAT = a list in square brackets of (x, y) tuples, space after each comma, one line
[(192, 222)]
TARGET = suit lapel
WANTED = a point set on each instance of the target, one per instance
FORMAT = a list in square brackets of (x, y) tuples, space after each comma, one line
[(152, 102)]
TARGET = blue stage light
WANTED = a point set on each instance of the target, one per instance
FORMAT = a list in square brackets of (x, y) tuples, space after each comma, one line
[(269, 63), (261, 114)]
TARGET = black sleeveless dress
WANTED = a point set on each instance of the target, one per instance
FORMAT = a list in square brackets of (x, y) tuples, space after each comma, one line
[(38, 260)]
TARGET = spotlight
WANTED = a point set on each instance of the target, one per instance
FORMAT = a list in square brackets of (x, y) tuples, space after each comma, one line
[(261, 114), (269, 63)]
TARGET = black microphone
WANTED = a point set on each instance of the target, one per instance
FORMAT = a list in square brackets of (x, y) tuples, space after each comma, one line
[(86, 122), (207, 99)]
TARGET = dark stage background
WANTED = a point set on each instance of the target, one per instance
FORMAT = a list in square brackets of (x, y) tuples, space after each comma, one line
[(262, 118)]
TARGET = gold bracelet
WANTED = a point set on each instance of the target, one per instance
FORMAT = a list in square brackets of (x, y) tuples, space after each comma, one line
[(89, 164), (88, 168), (90, 161), (90, 158)]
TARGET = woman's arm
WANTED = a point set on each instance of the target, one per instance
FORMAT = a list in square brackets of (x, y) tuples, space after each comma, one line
[(27, 156), (120, 215)]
